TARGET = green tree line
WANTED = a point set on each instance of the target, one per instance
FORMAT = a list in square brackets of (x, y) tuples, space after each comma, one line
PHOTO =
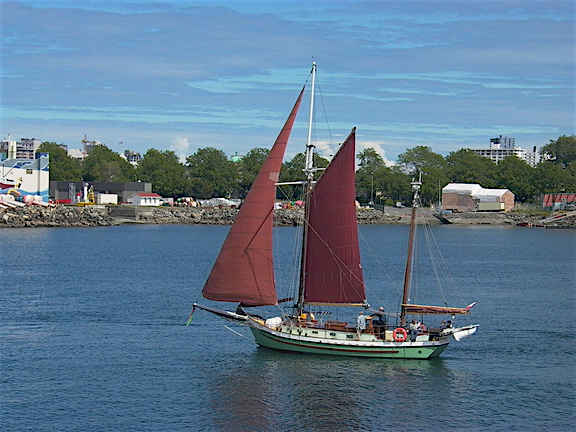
[(210, 173)]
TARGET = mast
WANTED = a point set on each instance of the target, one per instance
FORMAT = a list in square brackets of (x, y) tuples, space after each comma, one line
[(309, 166), (309, 171), (408, 273)]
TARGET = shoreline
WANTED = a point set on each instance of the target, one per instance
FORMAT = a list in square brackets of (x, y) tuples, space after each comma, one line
[(94, 216)]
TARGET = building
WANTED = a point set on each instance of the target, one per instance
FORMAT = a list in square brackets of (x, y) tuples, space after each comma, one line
[(559, 201), (132, 157), (145, 199), (76, 154), (466, 197), (503, 146), (23, 149), (72, 192), (23, 177)]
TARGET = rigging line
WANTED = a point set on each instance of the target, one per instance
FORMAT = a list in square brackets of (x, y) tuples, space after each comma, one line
[(233, 331), (415, 263), (391, 280), (337, 259), (264, 219), (290, 287), (435, 265), (443, 268), (331, 143), (296, 258)]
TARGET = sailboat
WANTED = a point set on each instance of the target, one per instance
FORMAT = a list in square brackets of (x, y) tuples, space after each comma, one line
[(330, 267)]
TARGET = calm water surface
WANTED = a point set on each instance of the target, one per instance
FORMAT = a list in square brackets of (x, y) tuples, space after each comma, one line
[(93, 339)]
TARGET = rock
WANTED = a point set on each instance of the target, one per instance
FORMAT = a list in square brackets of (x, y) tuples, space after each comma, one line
[(91, 216)]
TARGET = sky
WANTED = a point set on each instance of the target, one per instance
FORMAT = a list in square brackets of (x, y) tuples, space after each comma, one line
[(183, 75)]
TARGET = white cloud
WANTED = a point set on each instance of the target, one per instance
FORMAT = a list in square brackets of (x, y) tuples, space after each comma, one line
[(362, 145), (180, 146)]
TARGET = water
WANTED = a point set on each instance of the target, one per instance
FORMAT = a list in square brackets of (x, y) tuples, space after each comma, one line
[(93, 339)]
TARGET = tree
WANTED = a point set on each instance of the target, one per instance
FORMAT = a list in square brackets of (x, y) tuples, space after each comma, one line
[(370, 174), (62, 166), (212, 174), (292, 171), (562, 151), (163, 169), (551, 178), (249, 166), (432, 165), (515, 174), (465, 166), (105, 165), (370, 159)]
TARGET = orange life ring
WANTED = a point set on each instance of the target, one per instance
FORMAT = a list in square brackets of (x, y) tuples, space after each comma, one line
[(400, 334)]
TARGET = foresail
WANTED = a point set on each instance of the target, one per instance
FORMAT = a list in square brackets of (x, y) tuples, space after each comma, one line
[(333, 274), (244, 269)]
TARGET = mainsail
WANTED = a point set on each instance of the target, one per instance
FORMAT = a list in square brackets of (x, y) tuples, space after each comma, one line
[(333, 274), (244, 269)]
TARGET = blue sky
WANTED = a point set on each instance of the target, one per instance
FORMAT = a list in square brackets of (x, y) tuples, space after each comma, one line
[(182, 75)]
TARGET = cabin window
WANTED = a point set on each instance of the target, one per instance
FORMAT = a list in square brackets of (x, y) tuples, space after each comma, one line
[(350, 336), (314, 332), (332, 334)]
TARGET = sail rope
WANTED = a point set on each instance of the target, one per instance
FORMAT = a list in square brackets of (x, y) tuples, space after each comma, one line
[(330, 144), (395, 285), (442, 275), (291, 285), (341, 265)]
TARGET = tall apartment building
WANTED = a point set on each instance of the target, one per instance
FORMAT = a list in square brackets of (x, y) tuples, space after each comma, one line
[(504, 146), (23, 149)]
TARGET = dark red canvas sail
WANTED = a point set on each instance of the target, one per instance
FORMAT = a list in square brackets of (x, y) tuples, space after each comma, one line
[(333, 274), (244, 269)]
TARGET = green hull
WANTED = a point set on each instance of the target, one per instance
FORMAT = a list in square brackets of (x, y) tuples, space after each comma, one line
[(283, 341)]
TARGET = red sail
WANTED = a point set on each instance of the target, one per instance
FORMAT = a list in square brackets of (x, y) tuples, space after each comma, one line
[(333, 270), (244, 269)]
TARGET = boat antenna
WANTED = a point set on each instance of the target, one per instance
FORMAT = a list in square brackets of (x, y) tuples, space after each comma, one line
[(408, 273)]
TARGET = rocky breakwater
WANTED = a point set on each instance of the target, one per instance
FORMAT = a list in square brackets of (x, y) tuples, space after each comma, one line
[(512, 218), (282, 217), (94, 216), (59, 216), (208, 216)]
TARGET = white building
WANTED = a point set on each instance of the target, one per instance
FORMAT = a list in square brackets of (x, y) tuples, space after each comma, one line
[(23, 149), (465, 197), (503, 146), (145, 199), (131, 156), (25, 176)]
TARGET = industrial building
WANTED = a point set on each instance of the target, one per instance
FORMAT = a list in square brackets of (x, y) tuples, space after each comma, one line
[(21, 177), (466, 197), (72, 192), (559, 201)]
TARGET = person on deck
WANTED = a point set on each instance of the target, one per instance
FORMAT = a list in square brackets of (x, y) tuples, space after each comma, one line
[(381, 317), (360, 323), (413, 331), (379, 321)]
